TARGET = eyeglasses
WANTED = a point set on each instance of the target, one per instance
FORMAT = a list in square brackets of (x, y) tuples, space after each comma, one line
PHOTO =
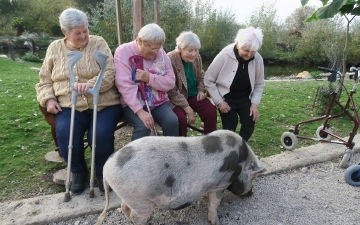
[(152, 49)]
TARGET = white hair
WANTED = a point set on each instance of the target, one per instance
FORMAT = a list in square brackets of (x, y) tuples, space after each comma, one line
[(152, 33), (187, 39), (71, 18), (249, 37)]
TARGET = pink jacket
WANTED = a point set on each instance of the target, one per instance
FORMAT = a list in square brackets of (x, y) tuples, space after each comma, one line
[(162, 78)]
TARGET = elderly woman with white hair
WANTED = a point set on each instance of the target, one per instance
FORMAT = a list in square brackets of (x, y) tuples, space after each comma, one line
[(158, 77), (188, 96), (235, 81), (54, 93)]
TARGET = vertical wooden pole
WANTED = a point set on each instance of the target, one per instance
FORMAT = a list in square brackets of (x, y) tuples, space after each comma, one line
[(119, 22), (157, 12), (138, 17)]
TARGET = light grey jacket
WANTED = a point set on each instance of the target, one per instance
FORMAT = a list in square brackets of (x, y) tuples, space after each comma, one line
[(221, 72)]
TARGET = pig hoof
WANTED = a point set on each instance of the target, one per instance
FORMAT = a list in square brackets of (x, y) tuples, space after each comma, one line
[(250, 193)]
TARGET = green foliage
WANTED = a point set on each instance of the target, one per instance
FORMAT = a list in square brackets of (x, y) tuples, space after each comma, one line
[(86, 5), (315, 74), (342, 7), (31, 58), (17, 22), (265, 18), (354, 43), (174, 25), (347, 8), (8, 10), (323, 41), (218, 29), (292, 41), (40, 15), (55, 30), (215, 29), (103, 21), (296, 19), (323, 98)]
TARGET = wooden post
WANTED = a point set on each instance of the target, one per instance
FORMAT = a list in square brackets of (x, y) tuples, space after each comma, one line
[(119, 22), (157, 12), (138, 17)]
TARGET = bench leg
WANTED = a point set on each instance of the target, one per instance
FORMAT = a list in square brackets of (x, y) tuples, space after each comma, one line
[(50, 119)]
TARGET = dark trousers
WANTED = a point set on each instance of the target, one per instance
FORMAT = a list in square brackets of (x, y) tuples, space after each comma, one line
[(230, 120), (107, 120), (162, 114), (206, 111)]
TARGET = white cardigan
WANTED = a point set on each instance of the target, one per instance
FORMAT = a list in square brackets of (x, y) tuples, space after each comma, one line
[(221, 72)]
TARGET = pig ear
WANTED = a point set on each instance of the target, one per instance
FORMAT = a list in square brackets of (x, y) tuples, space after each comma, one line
[(255, 169)]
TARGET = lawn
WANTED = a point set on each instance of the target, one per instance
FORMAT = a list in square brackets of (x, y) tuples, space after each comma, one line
[(26, 137)]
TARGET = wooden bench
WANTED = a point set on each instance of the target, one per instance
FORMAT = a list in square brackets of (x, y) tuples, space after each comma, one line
[(50, 119), (59, 176)]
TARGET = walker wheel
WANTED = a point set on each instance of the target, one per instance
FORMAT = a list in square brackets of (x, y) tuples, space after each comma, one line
[(321, 134), (352, 175), (345, 159), (289, 141)]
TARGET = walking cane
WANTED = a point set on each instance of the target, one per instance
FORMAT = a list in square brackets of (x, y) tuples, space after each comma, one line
[(137, 61), (74, 57)]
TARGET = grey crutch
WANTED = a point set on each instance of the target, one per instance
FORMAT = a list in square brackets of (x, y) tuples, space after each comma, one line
[(74, 57)]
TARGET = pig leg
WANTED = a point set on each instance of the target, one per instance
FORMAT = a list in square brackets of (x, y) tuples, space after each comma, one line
[(214, 198), (140, 211), (126, 210)]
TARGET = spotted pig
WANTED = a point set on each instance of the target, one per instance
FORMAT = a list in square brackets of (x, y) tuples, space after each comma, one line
[(174, 172)]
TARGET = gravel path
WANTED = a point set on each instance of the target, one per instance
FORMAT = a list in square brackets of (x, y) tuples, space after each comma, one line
[(317, 194)]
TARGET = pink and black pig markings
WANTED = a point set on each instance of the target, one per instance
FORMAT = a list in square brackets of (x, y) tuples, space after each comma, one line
[(174, 172)]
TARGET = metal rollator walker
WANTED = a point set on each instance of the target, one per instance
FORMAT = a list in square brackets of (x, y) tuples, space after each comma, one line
[(74, 57), (324, 133)]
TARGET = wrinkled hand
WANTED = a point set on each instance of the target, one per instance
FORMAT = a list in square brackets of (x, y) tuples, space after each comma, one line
[(53, 106), (254, 112), (147, 118), (81, 88), (190, 115), (224, 107), (142, 75), (200, 96)]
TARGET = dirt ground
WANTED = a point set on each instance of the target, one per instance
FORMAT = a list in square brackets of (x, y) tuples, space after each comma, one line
[(123, 135)]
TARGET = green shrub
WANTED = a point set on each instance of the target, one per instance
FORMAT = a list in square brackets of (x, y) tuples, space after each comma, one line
[(322, 99), (315, 74), (31, 58)]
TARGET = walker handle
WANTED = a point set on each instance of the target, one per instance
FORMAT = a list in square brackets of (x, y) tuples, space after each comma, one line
[(327, 69)]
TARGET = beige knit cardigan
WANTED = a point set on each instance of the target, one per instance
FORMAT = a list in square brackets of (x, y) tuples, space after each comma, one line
[(179, 94), (54, 75)]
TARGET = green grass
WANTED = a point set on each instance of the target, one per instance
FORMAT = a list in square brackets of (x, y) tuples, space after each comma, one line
[(283, 105), (25, 136)]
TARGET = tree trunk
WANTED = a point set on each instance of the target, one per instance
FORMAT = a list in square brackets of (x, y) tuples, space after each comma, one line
[(157, 12), (19, 30), (138, 17), (119, 22), (345, 52)]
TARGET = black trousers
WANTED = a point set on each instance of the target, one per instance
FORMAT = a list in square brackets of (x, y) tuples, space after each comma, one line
[(230, 120)]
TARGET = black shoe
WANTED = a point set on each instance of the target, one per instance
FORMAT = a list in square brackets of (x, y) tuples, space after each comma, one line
[(78, 182), (101, 184)]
